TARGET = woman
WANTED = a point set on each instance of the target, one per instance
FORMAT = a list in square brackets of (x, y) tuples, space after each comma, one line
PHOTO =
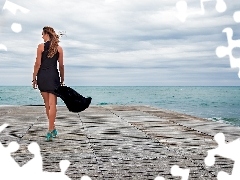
[(45, 69)]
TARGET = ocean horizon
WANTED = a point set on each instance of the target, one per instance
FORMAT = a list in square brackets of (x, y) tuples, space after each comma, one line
[(217, 103)]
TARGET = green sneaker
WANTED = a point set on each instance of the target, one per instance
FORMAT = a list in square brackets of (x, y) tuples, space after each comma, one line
[(54, 133), (49, 136)]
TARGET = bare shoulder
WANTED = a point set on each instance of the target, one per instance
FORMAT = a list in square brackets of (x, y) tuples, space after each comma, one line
[(60, 50), (41, 46)]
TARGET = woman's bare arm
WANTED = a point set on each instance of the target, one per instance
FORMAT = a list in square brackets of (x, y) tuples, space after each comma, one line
[(38, 60)]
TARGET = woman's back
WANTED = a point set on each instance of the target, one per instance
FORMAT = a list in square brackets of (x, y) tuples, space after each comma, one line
[(46, 62)]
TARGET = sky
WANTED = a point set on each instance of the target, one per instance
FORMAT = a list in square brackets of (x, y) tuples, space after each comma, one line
[(122, 42)]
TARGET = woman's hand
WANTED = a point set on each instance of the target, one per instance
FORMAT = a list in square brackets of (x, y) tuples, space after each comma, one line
[(61, 81), (62, 84), (34, 84)]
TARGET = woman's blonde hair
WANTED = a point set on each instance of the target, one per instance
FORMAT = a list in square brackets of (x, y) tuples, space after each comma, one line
[(54, 40)]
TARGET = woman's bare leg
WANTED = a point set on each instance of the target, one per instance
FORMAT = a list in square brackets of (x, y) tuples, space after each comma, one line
[(46, 102), (52, 110), (50, 101)]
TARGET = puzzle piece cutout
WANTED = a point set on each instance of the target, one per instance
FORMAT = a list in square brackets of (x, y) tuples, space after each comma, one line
[(227, 150), (222, 51), (5, 156), (236, 16), (16, 27), (176, 171), (10, 169), (85, 178), (3, 47), (12, 7), (182, 8)]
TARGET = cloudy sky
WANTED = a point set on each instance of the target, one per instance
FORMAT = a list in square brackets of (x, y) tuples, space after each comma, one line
[(122, 42)]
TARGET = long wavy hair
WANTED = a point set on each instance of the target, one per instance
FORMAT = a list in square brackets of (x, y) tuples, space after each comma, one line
[(54, 40)]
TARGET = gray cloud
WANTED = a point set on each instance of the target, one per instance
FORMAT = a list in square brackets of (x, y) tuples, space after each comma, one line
[(113, 42)]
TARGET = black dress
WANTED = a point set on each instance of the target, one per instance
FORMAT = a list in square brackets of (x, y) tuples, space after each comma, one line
[(48, 75)]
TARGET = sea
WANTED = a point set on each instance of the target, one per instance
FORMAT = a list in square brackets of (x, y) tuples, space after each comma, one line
[(213, 103)]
